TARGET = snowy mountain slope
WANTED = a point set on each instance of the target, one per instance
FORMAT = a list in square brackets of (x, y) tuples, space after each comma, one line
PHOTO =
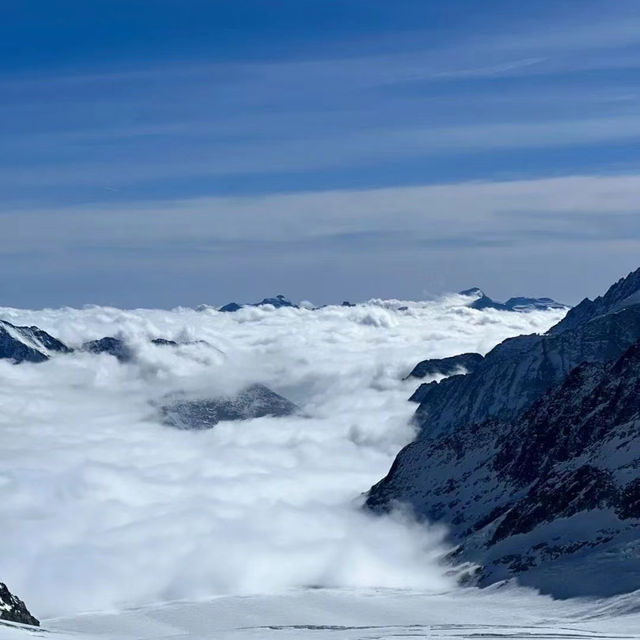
[(623, 294), (552, 496), (27, 344), (519, 370)]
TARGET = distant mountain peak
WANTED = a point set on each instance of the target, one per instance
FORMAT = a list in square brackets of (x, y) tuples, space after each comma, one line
[(519, 303), (277, 302), (474, 291)]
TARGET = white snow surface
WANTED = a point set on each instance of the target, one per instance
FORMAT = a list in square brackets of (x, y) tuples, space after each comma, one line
[(105, 510), (498, 613)]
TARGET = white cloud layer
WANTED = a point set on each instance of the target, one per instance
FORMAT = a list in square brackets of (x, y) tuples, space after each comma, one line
[(103, 507)]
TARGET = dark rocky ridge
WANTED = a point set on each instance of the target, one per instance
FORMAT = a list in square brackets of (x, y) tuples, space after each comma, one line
[(231, 307), (118, 348), (255, 401), (12, 609), (27, 344), (621, 295), (113, 346), (463, 363), (277, 302), (533, 460)]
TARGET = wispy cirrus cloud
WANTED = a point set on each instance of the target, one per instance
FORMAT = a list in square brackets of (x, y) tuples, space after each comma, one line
[(258, 161), (455, 231)]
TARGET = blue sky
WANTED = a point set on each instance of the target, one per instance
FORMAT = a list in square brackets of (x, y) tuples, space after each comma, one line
[(160, 153)]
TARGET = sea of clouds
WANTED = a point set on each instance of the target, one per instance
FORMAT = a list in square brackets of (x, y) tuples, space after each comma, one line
[(103, 507)]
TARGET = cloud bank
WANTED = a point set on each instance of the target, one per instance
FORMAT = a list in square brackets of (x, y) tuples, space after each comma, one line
[(105, 508)]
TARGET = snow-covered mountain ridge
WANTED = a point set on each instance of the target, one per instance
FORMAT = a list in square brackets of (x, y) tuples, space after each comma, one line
[(519, 370), (550, 494)]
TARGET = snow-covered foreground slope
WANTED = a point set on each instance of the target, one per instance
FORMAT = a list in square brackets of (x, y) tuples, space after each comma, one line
[(104, 507), (324, 614)]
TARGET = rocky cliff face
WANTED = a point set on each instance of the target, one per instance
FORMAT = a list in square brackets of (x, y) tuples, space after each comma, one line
[(535, 462), (552, 497), (13, 609)]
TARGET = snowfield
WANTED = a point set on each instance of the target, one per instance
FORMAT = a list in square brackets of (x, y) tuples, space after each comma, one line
[(107, 513), (331, 614)]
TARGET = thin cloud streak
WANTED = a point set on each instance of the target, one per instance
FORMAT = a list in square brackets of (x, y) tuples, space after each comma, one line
[(327, 152), (477, 207)]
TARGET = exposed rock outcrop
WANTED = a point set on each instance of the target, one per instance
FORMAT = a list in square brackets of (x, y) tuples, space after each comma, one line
[(231, 307), (12, 609), (461, 364), (113, 346), (255, 401)]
